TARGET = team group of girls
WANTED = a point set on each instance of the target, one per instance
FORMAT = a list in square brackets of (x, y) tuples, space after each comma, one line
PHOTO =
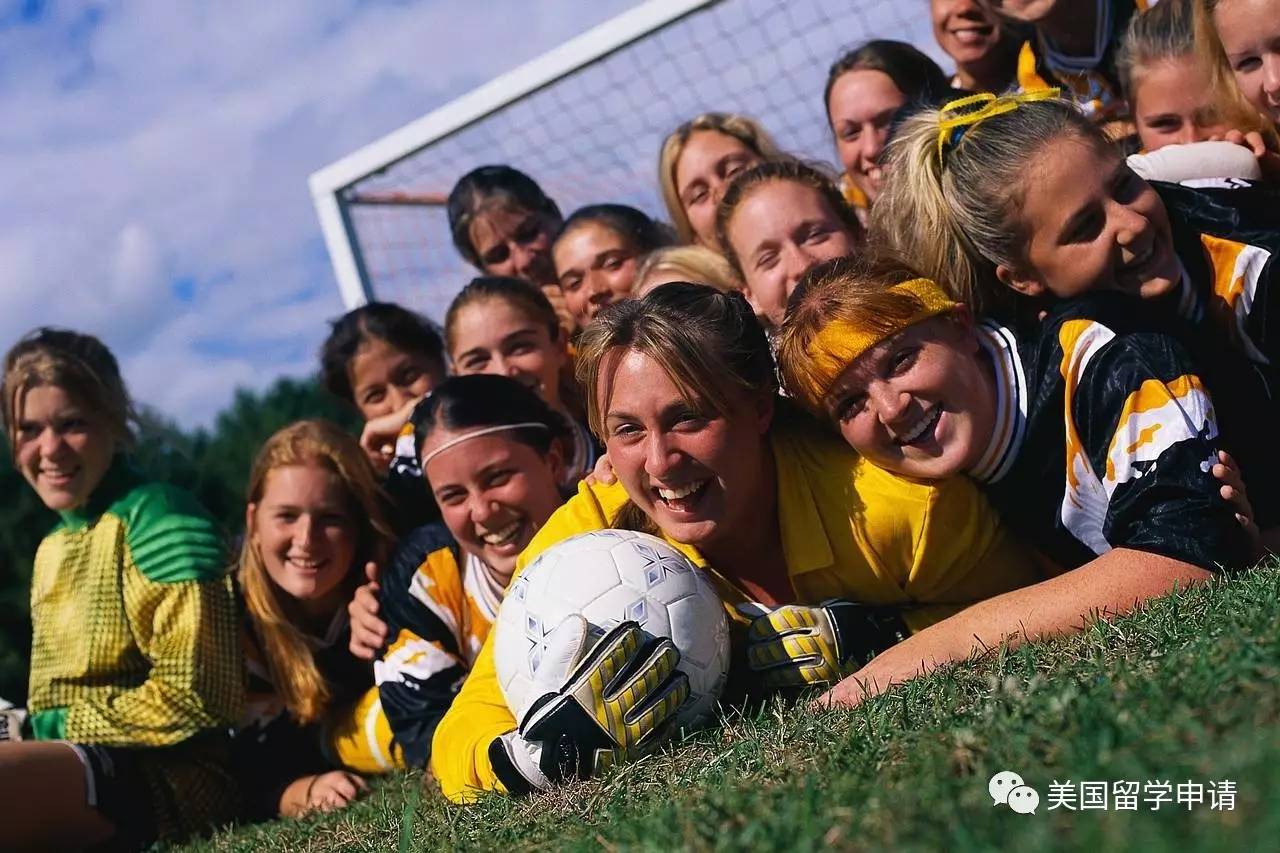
[(1012, 367)]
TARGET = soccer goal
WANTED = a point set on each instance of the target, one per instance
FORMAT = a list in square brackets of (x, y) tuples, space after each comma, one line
[(586, 121)]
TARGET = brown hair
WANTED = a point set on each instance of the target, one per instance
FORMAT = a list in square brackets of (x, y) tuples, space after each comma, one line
[(746, 130), (515, 291), (784, 169), (77, 363), (854, 290), (913, 73), (708, 342), (284, 644), (955, 214)]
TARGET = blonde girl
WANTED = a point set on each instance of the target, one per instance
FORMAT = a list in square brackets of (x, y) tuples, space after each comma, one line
[(313, 523), (1011, 203), (696, 163), (1243, 36), (135, 673)]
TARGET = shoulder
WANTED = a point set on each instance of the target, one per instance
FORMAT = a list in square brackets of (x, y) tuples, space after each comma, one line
[(430, 546), (593, 507), (171, 537)]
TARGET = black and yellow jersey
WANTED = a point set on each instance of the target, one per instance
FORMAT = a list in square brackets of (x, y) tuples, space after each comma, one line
[(439, 603), (1105, 438), (1091, 81)]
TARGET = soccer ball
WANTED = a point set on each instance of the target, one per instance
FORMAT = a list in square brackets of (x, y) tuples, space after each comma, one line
[(608, 577)]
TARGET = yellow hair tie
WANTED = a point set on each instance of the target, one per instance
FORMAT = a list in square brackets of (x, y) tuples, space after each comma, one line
[(963, 113), (839, 343)]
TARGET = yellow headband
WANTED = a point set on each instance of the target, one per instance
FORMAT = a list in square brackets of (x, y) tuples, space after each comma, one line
[(839, 343), (957, 116)]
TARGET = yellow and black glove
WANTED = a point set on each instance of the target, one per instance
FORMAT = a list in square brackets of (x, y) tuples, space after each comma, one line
[(798, 646), (591, 709)]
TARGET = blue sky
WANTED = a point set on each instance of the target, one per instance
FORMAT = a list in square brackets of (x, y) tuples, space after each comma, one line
[(155, 154)]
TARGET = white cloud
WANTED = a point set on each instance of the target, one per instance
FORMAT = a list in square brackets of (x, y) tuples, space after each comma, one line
[(160, 141)]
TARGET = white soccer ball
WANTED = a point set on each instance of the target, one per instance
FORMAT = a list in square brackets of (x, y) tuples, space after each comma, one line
[(608, 577)]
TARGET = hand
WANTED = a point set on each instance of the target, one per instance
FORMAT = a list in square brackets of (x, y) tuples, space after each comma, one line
[(368, 632), (602, 473), (795, 646), (1268, 161), (1233, 491), (378, 438), (331, 791), (591, 709)]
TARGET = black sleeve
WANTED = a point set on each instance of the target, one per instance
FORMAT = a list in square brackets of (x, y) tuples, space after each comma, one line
[(422, 668), (1148, 428)]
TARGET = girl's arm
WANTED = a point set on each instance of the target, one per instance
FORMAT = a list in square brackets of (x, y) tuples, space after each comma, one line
[(1108, 586)]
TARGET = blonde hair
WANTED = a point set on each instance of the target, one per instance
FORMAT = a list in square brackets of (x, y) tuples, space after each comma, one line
[(954, 213), (746, 130), (289, 658), (1167, 31), (853, 290), (1213, 60), (686, 263), (79, 364), (785, 170)]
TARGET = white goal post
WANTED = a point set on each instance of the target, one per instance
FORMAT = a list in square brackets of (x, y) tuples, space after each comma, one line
[(585, 120)]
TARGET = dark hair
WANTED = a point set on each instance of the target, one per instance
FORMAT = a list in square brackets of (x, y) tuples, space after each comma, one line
[(789, 170), (483, 400), (525, 296), (398, 327), (913, 72), (635, 226), (486, 185)]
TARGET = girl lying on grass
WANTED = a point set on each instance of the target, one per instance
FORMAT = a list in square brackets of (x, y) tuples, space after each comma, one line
[(135, 674), (1014, 204), (493, 454), (313, 722), (681, 386), (1090, 431)]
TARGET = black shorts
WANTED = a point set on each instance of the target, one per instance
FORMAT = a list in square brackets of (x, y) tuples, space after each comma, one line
[(116, 787)]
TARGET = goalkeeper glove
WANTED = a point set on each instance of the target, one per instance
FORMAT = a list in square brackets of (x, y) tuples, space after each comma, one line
[(796, 646), (591, 709)]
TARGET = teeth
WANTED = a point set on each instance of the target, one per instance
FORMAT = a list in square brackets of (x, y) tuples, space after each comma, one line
[(306, 564), (919, 429), (502, 536), (682, 492)]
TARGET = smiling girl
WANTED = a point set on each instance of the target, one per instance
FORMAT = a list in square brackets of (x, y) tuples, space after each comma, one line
[(983, 47), (1248, 32), (493, 453), (776, 221), (1091, 432), (598, 252), (312, 523), (135, 673), (502, 326), (696, 163)]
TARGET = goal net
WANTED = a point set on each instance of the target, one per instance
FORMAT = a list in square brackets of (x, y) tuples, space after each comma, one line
[(586, 121)]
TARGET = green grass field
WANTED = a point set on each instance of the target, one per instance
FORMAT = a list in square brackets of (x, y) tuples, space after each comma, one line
[(1188, 689)]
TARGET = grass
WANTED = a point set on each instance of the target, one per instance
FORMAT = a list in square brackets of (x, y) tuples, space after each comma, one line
[(1188, 689)]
